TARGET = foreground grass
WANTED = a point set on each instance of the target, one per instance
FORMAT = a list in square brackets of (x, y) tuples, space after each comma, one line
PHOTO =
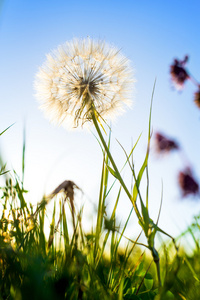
[(77, 265), (73, 264)]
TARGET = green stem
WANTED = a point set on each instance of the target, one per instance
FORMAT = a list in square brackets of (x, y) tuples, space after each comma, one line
[(157, 262), (115, 167), (153, 250)]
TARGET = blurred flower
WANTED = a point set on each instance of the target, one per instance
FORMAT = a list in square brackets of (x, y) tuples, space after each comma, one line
[(178, 73), (164, 144), (197, 98), (82, 75), (187, 183)]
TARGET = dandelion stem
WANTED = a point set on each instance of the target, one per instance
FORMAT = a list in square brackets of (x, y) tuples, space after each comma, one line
[(115, 167)]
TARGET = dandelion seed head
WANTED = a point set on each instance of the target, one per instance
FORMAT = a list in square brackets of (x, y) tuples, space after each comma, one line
[(82, 74)]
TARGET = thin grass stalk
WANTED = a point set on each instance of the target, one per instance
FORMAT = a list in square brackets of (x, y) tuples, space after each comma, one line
[(23, 157), (65, 229), (6, 129), (130, 154), (107, 234), (118, 176), (102, 197)]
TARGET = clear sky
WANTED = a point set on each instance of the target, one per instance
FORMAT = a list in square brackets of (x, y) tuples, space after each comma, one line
[(151, 34)]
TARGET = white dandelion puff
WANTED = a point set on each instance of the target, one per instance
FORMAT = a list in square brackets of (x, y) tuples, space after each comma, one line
[(82, 76)]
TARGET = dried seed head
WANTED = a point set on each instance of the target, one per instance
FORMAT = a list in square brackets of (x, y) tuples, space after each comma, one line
[(178, 73), (187, 183), (164, 144), (80, 75), (197, 98)]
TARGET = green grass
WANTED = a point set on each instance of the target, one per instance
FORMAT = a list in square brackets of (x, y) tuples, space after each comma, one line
[(65, 264)]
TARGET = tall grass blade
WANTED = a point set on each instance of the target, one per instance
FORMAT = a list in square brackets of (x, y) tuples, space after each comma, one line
[(6, 129), (20, 193), (65, 230), (23, 156), (42, 241), (52, 226), (102, 198)]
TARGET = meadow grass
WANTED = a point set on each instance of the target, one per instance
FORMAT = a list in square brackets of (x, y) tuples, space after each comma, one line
[(65, 264)]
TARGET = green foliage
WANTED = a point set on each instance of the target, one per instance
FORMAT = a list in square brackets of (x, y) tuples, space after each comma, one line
[(73, 264)]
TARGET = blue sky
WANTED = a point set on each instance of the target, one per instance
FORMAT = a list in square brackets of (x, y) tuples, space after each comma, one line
[(151, 34)]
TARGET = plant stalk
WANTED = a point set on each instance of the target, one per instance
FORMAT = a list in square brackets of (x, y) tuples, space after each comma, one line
[(115, 167)]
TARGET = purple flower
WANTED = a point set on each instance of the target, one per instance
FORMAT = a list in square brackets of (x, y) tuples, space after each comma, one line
[(164, 144), (187, 183), (178, 73), (197, 98)]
